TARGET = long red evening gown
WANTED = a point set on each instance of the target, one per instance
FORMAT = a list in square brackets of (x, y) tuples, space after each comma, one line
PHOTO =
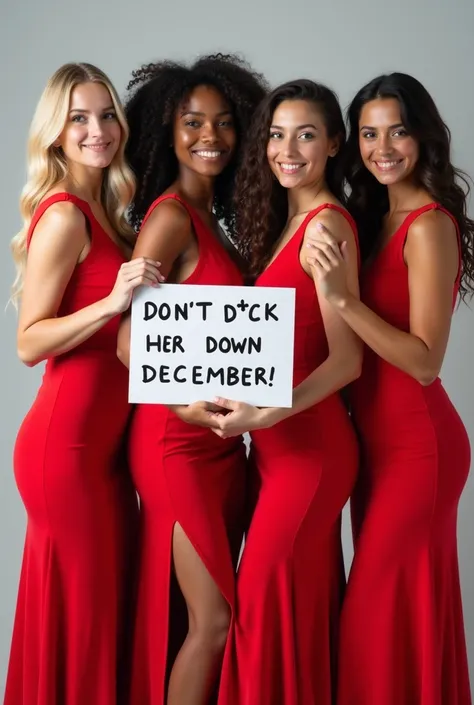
[(81, 506), (402, 635), (291, 577), (188, 475)]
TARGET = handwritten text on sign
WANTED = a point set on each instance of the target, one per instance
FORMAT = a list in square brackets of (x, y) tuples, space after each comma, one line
[(192, 343)]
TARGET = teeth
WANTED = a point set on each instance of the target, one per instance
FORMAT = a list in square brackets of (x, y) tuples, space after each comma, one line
[(387, 165), (209, 154), (290, 167)]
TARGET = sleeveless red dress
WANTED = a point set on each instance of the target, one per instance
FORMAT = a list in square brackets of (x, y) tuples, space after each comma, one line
[(291, 577), (402, 635), (80, 503), (188, 475)]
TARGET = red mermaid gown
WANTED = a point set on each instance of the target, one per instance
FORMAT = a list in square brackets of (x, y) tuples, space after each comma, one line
[(188, 475), (81, 505), (290, 583), (402, 635)]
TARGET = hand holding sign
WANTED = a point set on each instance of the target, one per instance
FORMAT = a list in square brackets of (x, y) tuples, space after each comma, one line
[(241, 418)]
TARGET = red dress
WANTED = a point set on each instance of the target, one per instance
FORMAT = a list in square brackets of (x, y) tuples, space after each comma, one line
[(291, 577), (402, 635), (188, 475), (80, 503), (81, 506)]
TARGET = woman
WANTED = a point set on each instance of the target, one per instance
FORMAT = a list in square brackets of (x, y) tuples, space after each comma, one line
[(290, 579), (402, 639), (186, 125), (74, 282)]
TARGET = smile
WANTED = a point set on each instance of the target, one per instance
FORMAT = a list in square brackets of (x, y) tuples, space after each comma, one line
[(209, 154), (288, 168), (102, 147), (386, 166)]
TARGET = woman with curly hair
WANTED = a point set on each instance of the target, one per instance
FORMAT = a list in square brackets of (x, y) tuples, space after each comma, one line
[(402, 634), (74, 281), (187, 125), (291, 576)]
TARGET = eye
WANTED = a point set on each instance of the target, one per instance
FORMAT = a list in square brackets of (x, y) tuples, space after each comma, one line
[(78, 118), (226, 123), (275, 135), (368, 135), (192, 123), (109, 116), (400, 132), (305, 136)]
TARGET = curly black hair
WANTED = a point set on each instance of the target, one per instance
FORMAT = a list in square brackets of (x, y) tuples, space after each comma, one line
[(368, 199), (157, 90), (261, 202)]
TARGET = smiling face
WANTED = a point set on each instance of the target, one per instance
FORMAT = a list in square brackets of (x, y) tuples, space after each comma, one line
[(298, 146), (204, 134), (386, 148), (92, 133)]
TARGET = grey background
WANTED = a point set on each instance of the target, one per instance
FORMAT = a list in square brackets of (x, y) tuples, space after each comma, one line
[(341, 42)]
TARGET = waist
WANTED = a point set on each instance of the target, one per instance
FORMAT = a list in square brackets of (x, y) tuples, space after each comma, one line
[(385, 393)]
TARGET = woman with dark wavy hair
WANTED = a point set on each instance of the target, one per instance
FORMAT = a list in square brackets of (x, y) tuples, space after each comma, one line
[(402, 634), (186, 128), (290, 579)]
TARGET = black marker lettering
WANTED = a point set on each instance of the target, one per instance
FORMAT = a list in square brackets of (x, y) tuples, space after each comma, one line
[(164, 374), (149, 374), (253, 318), (151, 310), (230, 313), (176, 372), (204, 305), (269, 312)]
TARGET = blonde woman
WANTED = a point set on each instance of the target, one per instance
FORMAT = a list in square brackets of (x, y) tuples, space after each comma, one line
[(74, 282)]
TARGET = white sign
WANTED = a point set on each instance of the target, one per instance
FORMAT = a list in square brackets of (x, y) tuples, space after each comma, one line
[(192, 343)]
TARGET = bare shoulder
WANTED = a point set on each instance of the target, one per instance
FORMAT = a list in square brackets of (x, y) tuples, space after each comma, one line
[(62, 222), (171, 215), (432, 226), (335, 222), (432, 243)]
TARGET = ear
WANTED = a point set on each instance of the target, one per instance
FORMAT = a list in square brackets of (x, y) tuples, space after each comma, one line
[(334, 146)]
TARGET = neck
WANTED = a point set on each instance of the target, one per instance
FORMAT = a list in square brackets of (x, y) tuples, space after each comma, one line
[(197, 189), (305, 198), (87, 181), (404, 196)]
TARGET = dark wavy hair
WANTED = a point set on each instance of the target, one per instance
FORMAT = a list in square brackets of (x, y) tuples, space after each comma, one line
[(156, 92), (368, 199), (261, 202)]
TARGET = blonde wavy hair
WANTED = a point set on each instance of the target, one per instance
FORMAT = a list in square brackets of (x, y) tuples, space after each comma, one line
[(47, 165)]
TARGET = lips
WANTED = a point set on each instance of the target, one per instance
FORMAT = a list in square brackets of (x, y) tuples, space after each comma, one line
[(290, 167), (387, 165), (98, 147), (209, 154)]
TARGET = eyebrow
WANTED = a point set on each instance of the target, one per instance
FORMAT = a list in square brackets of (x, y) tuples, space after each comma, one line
[(81, 110), (391, 127), (194, 112), (300, 127)]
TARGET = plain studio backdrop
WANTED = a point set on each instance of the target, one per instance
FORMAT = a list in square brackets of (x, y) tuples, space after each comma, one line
[(341, 42)]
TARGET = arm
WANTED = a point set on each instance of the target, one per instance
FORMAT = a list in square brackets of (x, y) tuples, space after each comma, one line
[(166, 236), (344, 360), (431, 255), (59, 241)]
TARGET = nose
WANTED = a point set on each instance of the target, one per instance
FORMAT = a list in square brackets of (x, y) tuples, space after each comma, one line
[(208, 133), (288, 147), (384, 144), (96, 127)]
